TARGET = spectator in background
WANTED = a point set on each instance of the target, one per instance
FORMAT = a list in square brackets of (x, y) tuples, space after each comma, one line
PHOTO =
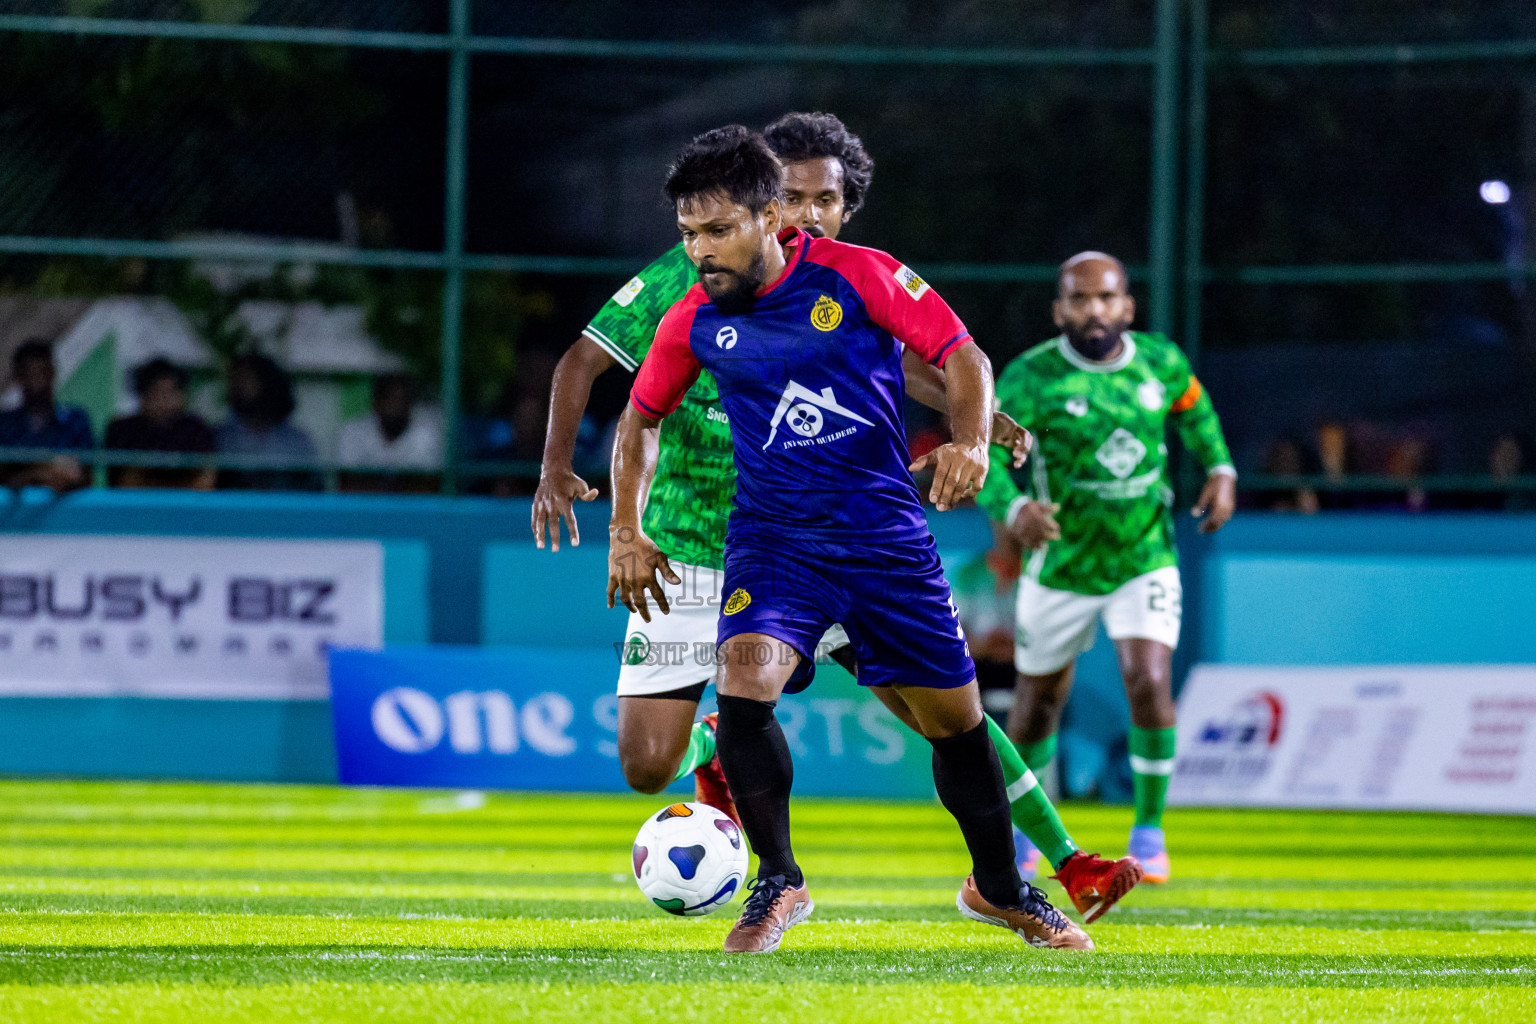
[(1338, 459), (162, 424), (514, 432), (261, 401), (42, 423), (395, 435), (1508, 460), (1409, 459), (1287, 456)]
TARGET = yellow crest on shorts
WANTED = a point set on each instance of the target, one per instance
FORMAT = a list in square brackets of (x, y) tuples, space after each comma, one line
[(826, 314), (737, 601)]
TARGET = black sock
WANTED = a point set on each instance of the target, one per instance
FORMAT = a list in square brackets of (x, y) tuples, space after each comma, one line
[(969, 779), (755, 757)]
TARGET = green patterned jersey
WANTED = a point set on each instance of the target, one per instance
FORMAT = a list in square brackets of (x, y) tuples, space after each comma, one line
[(695, 484), (1100, 453)]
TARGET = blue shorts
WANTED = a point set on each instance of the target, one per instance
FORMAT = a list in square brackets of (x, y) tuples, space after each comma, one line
[(896, 608)]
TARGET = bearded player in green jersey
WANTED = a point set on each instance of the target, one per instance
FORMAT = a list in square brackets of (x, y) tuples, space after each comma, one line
[(1098, 524), (670, 659)]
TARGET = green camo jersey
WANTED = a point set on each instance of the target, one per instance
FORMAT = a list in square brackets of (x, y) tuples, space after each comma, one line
[(695, 484), (1100, 453)]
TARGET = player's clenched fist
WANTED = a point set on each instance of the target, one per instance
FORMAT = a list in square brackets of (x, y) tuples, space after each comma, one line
[(1034, 525), (959, 470), (633, 561)]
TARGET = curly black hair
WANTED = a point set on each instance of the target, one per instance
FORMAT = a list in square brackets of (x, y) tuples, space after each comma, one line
[(800, 136), (732, 161)]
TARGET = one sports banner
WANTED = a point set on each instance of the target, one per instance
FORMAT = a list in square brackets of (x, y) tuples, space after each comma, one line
[(1426, 737), (178, 617), (547, 719)]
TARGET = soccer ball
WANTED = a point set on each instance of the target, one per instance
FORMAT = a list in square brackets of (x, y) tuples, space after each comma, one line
[(690, 859)]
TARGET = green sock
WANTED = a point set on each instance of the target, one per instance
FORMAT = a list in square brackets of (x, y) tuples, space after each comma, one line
[(1151, 764), (1028, 805), (701, 749), (1039, 753)]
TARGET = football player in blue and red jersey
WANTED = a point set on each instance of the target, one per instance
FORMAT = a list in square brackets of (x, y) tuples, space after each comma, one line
[(804, 337)]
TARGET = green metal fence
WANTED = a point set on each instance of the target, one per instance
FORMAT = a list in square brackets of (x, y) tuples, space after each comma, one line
[(1178, 60)]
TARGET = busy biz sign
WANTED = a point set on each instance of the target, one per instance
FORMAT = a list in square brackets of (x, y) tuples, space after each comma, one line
[(1431, 737), (182, 617)]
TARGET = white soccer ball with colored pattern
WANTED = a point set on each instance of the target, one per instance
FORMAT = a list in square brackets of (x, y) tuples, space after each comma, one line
[(689, 859)]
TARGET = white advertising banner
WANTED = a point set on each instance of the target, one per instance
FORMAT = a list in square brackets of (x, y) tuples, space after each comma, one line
[(1425, 737), (220, 619)]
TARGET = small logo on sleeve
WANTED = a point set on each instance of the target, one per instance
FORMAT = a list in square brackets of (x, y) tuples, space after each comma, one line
[(726, 337), (737, 601), (826, 314), (914, 285), (624, 296)]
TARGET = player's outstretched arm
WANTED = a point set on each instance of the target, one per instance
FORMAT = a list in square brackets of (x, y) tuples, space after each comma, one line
[(960, 467), (925, 385), (633, 558), (559, 486), (1200, 430)]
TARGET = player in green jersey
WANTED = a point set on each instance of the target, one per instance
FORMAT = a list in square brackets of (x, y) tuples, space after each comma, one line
[(670, 659), (1097, 520)]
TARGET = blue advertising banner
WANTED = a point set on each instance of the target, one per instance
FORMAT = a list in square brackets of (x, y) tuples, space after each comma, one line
[(547, 719)]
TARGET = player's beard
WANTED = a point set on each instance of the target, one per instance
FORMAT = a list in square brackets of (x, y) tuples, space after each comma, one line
[(740, 293), (1097, 347)]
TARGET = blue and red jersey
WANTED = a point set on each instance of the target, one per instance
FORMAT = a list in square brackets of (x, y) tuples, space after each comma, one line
[(811, 381)]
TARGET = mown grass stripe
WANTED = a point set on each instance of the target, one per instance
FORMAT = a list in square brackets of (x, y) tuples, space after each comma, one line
[(605, 965)]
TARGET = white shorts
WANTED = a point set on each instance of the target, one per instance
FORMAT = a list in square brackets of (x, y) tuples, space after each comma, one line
[(1053, 627), (678, 649)]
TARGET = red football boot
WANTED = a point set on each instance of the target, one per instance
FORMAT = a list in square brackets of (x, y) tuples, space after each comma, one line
[(709, 786), (1095, 884)]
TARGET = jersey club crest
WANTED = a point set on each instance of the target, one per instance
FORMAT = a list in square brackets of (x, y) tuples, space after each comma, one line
[(826, 314)]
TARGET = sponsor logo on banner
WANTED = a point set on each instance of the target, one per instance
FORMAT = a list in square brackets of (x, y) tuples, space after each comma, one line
[(530, 718), (182, 617), (1453, 737), (1237, 746)]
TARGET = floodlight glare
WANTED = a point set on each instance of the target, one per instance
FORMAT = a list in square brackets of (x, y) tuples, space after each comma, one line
[(1494, 192)]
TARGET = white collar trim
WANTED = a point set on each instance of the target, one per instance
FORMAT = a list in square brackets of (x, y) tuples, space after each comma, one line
[(1120, 362)]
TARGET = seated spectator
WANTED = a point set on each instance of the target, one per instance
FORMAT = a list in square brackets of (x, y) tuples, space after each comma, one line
[(514, 431), (162, 424), (394, 436), (1410, 460), (1286, 456), (42, 423), (260, 402), (1508, 460)]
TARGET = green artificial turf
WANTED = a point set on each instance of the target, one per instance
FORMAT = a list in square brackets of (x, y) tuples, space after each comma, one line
[(165, 902)]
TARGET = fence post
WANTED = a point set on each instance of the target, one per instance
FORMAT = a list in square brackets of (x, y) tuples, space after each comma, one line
[(1194, 184), (1165, 159), (453, 234)]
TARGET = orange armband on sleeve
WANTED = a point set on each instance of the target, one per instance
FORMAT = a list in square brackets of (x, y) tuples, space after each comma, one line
[(1187, 400)]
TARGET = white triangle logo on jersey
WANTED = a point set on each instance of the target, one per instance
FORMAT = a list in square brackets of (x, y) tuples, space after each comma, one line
[(803, 409), (1121, 454)]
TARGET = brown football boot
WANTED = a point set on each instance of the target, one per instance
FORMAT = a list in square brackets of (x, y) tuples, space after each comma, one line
[(1036, 922), (773, 909)]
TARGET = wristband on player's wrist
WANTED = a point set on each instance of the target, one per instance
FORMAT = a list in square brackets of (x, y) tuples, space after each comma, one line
[(1014, 508), (1225, 469)]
